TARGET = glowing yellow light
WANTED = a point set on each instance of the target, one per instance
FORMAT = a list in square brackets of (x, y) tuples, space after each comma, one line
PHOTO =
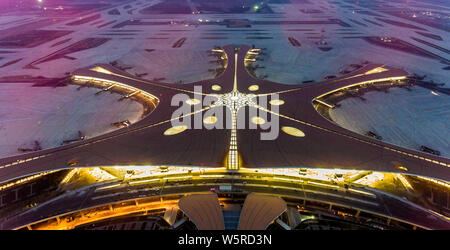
[(324, 103), (101, 70), (142, 181), (107, 187), (443, 183), (210, 120), (371, 179), (401, 168), (253, 87), (375, 70), (212, 176), (69, 175), (293, 131), (362, 83), (177, 177), (175, 130), (276, 102), (258, 120), (101, 80), (216, 87), (99, 174), (23, 180), (404, 181), (192, 101)]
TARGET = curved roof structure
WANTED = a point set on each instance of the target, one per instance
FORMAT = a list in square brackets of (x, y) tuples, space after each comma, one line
[(204, 210), (323, 143), (259, 211)]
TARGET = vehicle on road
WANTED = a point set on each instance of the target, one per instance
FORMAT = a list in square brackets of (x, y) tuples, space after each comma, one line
[(373, 135), (429, 150)]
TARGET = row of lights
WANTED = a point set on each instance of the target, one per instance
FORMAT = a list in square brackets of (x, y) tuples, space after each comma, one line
[(23, 180), (99, 80), (233, 161)]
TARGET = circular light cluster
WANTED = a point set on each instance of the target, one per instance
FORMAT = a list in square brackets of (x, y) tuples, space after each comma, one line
[(253, 87), (235, 100), (175, 130), (258, 120), (293, 131), (216, 87), (276, 102), (210, 120), (192, 101)]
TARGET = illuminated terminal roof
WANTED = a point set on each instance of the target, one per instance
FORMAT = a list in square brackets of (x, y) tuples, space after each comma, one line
[(306, 138)]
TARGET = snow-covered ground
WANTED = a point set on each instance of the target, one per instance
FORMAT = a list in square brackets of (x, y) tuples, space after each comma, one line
[(182, 65), (52, 115), (294, 65), (405, 118), (283, 62), (288, 64)]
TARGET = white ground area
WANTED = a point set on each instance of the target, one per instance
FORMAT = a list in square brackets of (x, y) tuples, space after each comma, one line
[(183, 65), (289, 64), (51, 115), (294, 65), (283, 63), (405, 118)]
